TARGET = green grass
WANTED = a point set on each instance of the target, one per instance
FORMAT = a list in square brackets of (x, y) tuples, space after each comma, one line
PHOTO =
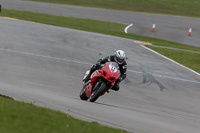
[(103, 27), (172, 7), (19, 117), (70, 22)]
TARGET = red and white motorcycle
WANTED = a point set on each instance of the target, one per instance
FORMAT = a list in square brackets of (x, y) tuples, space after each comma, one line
[(100, 81)]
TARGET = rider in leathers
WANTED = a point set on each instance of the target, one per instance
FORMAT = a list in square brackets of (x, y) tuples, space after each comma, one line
[(119, 58)]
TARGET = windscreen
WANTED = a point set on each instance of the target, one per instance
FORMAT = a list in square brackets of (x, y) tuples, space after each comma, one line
[(113, 67)]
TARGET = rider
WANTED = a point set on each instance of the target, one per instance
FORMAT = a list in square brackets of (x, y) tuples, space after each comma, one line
[(119, 57)]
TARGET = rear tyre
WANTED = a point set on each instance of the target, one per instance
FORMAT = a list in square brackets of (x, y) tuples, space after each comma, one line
[(83, 95), (98, 92)]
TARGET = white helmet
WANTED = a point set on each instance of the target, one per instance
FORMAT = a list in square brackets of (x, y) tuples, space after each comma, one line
[(120, 56)]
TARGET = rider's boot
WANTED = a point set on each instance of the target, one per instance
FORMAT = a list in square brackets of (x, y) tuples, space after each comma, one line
[(89, 73), (87, 76)]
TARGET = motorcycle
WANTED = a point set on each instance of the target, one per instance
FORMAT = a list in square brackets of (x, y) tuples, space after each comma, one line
[(100, 81)]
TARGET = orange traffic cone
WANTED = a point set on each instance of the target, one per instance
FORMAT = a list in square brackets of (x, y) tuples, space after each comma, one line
[(190, 31), (153, 27)]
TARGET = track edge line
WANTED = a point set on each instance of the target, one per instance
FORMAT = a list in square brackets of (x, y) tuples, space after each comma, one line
[(171, 60)]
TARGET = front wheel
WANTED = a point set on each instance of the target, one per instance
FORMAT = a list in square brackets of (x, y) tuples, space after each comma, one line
[(98, 92), (83, 95)]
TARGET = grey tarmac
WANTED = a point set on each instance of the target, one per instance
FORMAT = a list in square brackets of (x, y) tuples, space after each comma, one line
[(45, 64), (172, 28)]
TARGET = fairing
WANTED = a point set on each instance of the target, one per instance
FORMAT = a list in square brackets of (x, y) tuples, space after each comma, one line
[(110, 72)]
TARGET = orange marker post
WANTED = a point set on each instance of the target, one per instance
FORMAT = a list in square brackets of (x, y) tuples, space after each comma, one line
[(190, 31), (153, 27)]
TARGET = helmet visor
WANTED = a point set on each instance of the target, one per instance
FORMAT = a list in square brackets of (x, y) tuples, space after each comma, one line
[(120, 60)]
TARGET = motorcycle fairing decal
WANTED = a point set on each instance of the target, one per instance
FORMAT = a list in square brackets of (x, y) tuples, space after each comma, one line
[(113, 69)]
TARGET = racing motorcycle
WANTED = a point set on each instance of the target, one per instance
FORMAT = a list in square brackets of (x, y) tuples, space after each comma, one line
[(100, 81)]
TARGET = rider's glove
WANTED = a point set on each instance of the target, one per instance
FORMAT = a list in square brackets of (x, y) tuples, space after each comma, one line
[(98, 65), (119, 79)]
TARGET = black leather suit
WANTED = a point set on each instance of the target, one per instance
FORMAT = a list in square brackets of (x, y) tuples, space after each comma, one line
[(122, 68)]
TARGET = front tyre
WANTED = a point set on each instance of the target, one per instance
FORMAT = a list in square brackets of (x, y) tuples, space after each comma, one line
[(98, 92), (83, 95)]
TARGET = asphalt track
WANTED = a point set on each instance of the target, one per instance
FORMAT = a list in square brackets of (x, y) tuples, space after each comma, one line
[(45, 64), (171, 28)]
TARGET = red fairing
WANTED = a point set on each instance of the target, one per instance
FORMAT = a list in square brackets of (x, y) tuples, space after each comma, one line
[(94, 76), (107, 73)]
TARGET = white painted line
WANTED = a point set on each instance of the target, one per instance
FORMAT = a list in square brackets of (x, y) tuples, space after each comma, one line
[(43, 56), (125, 30), (176, 78), (156, 75), (171, 60), (134, 71), (79, 62), (37, 84)]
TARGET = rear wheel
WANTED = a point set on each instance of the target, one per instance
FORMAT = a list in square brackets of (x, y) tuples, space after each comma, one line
[(99, 89), (83, 95)]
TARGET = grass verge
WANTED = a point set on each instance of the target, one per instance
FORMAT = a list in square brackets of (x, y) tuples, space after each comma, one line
[(103, 27), (172, 7), (19, 117)]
